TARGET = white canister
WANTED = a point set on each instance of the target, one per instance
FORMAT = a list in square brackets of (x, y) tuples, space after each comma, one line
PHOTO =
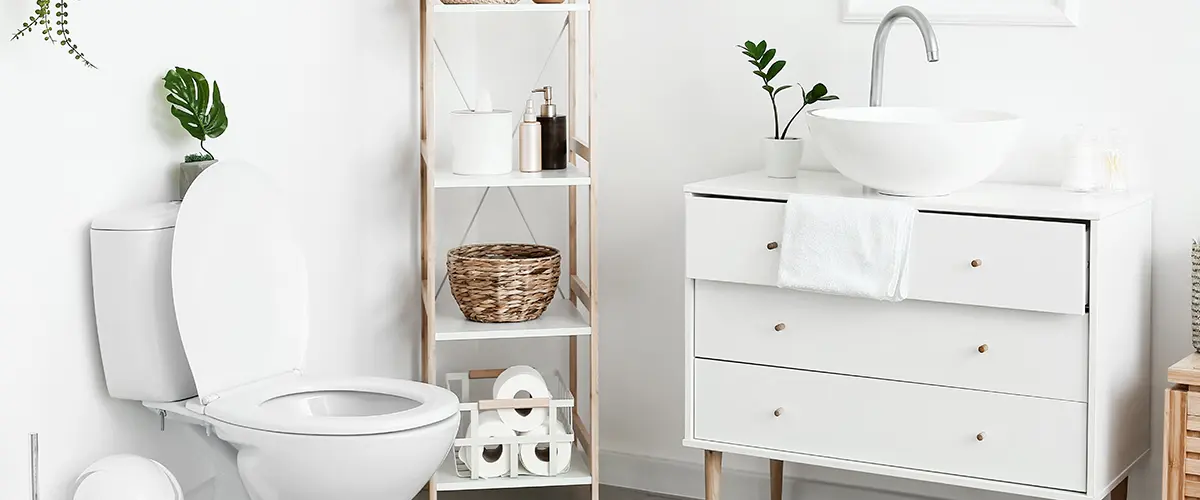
[(483, 143)]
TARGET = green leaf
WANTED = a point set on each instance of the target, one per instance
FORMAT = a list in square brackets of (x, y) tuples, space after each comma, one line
[(202, 116), (781, 89), (218, 122), (828, 98), (766, 59), (751, 56), (818, 91), (775, 69), (755, 52), (760, 74), (769, 89)]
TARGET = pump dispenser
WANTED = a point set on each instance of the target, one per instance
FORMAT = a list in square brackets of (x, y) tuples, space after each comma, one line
[(554, 133), (531, 140)]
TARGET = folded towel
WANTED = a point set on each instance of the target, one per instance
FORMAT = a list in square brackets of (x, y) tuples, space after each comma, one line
[(846, 246)]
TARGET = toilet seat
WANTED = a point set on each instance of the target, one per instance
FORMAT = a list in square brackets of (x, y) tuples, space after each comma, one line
[(241, 294), (250, 406)]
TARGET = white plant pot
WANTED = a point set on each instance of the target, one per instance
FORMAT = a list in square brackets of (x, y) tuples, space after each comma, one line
[(782, 157), (189, 171)]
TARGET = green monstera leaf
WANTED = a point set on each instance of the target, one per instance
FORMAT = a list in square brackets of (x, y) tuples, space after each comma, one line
[(201, 115)]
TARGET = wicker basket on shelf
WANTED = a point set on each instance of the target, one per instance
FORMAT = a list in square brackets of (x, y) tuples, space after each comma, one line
[(503, 282), (462, 2), (1196, 295)]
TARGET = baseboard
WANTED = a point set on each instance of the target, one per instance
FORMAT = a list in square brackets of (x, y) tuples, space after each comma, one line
[(746, 478)]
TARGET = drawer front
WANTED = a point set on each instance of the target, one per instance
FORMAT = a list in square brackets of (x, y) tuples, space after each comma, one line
[(728, 240), (1017, 439), (1016, 352), (958, 259), (1010, 263)]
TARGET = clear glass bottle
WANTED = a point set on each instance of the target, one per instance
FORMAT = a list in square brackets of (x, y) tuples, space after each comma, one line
[(1116, 175)]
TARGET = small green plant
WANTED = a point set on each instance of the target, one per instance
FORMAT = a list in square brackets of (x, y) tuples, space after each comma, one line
[(195, 157), (52, 22), (202, 115), (767, 68)]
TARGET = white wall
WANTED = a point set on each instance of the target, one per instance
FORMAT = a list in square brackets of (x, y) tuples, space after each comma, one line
[(678, 105), (318, 92)]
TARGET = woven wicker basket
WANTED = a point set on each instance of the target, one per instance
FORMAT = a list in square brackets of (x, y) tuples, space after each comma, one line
[(1196, 295), (461, 2), (504, 282)]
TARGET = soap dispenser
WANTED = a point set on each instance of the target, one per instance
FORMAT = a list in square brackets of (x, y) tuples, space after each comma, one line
[(554, 133)]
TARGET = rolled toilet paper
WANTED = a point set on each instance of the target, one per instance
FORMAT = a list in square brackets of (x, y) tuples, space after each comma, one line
[(516, 383), (538, 461), (493, 462)]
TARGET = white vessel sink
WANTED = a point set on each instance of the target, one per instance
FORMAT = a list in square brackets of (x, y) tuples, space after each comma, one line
[(914, 151)]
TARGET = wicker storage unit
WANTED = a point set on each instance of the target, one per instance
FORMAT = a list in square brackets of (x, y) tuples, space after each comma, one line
[(1181, 431)]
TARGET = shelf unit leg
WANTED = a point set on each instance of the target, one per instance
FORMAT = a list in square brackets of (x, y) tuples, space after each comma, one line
[(593, 261), (428, 273), (777, 480), (712, 475)]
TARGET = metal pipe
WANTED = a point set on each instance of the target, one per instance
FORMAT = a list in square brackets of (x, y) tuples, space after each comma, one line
[(881, 36)]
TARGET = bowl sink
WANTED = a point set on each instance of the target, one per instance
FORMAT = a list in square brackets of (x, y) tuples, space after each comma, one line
[(914, 151)]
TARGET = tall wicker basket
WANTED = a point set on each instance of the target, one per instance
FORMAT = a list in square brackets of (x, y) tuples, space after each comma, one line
[(503, 282), (1196, 295)]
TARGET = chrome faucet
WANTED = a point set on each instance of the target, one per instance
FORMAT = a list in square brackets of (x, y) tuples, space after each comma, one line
[(881, 36)]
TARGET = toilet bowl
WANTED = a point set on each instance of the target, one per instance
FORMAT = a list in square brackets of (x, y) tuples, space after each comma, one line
[(240, 293), (314, 438)]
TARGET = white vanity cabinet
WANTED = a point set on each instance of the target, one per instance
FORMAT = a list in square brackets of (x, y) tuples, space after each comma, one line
[(1020, 362)]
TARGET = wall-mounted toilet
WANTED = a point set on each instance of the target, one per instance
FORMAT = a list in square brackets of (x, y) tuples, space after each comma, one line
[(224, 268)]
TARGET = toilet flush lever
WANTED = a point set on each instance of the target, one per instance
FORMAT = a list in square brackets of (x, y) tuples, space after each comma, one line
[(162, 420)]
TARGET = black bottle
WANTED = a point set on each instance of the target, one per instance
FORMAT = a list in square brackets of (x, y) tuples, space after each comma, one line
[(554, 133)]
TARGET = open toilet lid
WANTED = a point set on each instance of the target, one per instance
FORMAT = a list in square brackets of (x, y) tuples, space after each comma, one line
[(239, 280)]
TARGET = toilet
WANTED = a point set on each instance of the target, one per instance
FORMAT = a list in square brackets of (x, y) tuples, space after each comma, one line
[(202, 313)]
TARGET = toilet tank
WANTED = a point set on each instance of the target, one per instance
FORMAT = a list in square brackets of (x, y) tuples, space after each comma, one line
[(140, 347)]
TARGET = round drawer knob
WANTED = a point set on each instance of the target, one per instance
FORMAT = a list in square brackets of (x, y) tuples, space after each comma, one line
[(780, 327), (976, 263), (779, 412), (772, 245), (983, 348), (981, 436)]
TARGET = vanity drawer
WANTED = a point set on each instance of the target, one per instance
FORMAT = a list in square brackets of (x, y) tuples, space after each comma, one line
[(1000, 437), (998, 350), (998, 262), (958, 259)]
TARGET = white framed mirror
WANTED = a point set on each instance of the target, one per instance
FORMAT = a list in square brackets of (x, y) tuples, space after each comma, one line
[(996, 12)]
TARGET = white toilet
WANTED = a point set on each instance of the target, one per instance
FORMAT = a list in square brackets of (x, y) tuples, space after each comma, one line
[(239, 283)]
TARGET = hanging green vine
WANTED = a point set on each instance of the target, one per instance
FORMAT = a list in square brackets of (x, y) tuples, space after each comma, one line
[(53, 24)]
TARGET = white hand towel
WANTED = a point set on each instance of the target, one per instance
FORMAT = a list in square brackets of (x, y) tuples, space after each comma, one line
[(846, 246)]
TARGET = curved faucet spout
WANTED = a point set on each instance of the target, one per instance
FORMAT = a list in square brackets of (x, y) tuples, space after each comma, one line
[(881, 36)]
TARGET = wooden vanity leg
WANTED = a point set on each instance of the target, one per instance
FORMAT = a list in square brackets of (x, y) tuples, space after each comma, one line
[(712, 475), (1120, 491), (777, 480)]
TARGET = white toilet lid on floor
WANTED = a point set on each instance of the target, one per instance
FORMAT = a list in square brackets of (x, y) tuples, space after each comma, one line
[(239, 280)]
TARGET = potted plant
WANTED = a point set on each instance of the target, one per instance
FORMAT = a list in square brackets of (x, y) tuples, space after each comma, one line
[(782, 153), (202, 115)]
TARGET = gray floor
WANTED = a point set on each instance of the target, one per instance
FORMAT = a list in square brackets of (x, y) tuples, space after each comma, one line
[(563, 493)]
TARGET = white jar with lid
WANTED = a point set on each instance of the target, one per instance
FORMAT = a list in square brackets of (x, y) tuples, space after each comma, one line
[(482, 140)]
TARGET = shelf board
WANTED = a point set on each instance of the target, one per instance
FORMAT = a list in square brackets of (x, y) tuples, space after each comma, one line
[(448, 480), (517, 7), (571, 176), (560, 320)]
